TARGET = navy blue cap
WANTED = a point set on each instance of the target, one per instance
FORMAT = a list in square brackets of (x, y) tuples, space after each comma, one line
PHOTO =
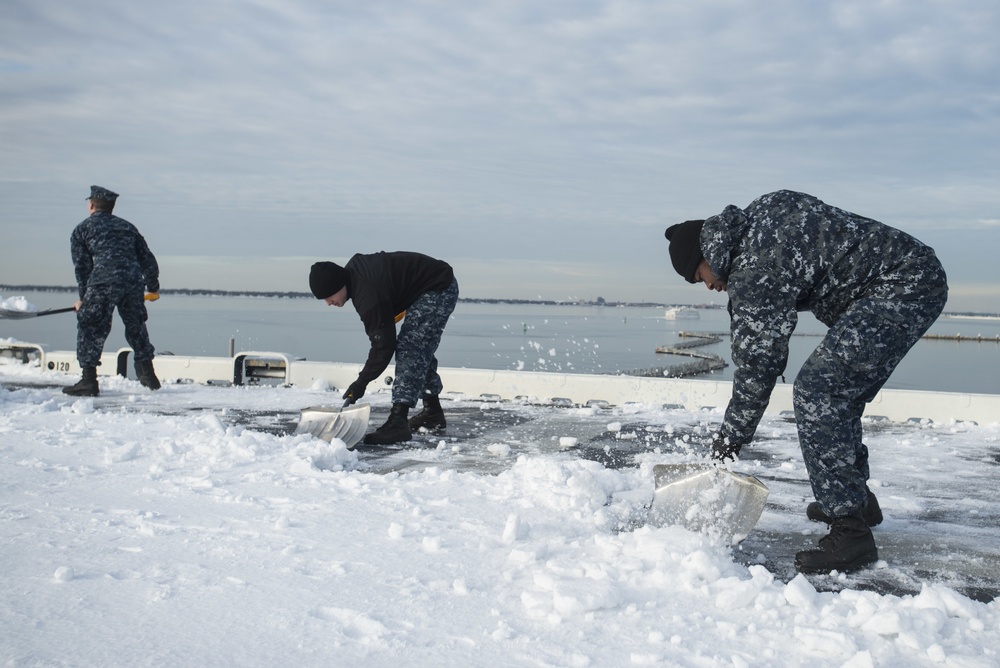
[(99, 193)]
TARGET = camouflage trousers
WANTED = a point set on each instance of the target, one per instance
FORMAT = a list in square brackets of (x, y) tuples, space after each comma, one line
[(418, 340), (94, 322), (857, 356)]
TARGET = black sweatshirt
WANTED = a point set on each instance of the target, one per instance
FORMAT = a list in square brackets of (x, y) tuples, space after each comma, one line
[(381, 285)]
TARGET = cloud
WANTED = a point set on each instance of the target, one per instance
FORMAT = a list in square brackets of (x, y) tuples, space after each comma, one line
[(518, 131)]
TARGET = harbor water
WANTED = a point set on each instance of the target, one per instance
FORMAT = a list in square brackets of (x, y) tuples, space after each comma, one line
[(534, 337)]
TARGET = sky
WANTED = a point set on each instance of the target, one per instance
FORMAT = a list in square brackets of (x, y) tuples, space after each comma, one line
[(541, 148), (191, 527)]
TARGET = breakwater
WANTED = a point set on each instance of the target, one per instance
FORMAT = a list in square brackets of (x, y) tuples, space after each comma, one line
[(700, 364)]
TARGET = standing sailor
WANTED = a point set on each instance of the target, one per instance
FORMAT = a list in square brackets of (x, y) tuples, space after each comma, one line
[(112, 264)]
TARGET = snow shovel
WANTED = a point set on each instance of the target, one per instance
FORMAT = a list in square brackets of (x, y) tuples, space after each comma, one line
[(348, 423), (707, 497), (14, 314)]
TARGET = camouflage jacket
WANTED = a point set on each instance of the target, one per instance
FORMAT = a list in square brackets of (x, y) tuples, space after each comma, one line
[(789, 252), (109, 249)]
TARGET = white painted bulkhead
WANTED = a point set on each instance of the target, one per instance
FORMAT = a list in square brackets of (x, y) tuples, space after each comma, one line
[(536, 387)]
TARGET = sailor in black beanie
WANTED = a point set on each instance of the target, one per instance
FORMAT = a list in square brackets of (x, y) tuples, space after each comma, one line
[(326, 279), (382, 286), (877, 289)]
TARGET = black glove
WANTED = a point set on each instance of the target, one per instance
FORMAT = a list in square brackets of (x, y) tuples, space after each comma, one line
[(354, 392), (724, 449)]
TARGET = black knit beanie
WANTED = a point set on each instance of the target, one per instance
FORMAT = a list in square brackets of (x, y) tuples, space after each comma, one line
[(685, 247), (326, 279)]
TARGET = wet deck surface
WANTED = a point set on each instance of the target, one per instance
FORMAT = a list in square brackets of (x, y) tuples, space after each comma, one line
[(935, 530), (950, 535)]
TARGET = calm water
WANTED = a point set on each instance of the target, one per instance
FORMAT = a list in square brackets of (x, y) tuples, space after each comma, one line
[(574, 339)]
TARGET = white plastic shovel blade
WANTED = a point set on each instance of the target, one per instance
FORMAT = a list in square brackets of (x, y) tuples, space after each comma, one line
[(705, 497), (330, 422)]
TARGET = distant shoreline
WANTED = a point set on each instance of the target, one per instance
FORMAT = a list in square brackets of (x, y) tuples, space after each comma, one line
[(276, 294)]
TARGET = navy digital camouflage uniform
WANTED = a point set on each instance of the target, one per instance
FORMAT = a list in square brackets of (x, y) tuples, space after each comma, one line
[(877, 289), (113, 264), (381, 285), (418, 340)]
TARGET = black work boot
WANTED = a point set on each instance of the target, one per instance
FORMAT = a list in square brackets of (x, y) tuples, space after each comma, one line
[(431, 417), (395, 429), (87, 386), (146, 375), (848, 547), (871, 513)]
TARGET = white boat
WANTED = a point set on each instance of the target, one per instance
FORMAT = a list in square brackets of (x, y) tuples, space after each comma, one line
[(681, 313)]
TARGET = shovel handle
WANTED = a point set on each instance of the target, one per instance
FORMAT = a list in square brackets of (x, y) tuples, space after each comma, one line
[(8, 314), (19, 315)]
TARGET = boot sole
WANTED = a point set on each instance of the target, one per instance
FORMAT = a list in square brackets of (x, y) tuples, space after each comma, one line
[(436, 423), (81, 393), (430, 429), (864, 560)]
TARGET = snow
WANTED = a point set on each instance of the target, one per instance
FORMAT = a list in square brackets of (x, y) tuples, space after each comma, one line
[(189, 527), (17, 304)]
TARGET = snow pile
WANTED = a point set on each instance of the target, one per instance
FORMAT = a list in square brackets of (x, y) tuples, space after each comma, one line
[(150, 529), (17, 304)]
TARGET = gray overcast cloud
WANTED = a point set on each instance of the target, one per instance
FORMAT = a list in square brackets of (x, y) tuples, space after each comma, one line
[(540, 147)]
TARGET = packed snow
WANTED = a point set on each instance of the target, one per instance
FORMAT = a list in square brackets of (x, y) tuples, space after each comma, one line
[(17, 303), (190, 527)]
